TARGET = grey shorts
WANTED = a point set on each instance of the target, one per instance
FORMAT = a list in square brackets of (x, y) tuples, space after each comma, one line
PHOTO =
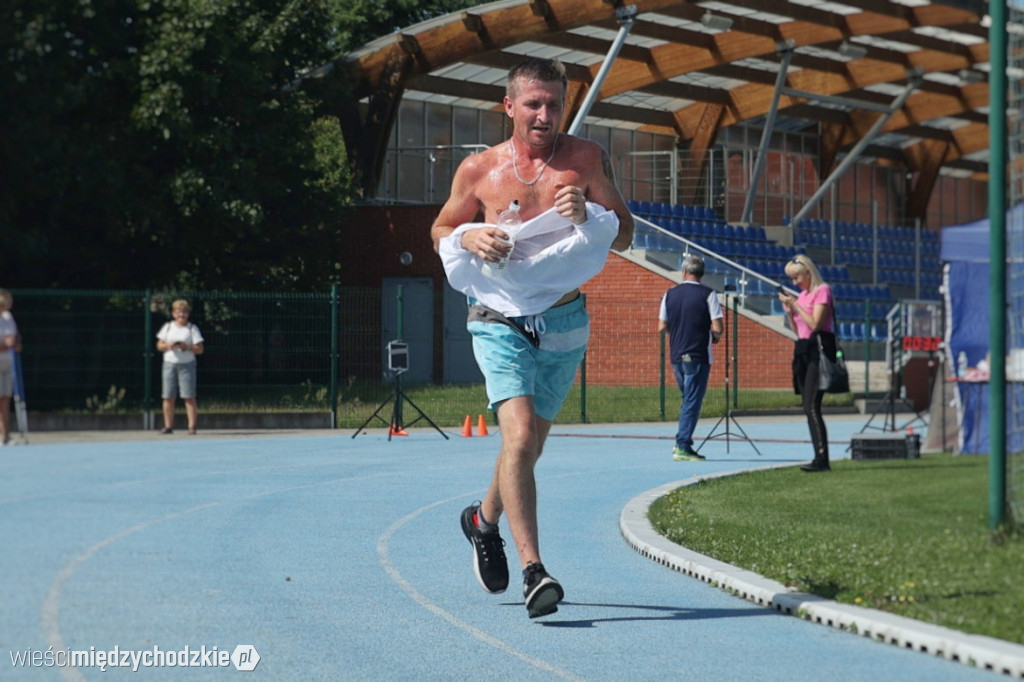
[(178, 379), (6, 375)]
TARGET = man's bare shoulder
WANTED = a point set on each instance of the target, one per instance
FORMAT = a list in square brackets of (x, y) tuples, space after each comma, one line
[(581, 146), (586, 156), (479, 163)]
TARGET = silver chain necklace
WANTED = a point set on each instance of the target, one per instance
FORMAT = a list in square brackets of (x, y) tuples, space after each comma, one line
[(554, 148)]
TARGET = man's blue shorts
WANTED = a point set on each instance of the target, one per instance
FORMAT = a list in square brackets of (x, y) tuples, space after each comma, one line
[(512, 366)]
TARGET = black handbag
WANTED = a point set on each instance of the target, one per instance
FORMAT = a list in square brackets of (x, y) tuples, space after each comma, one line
[(832, 374)]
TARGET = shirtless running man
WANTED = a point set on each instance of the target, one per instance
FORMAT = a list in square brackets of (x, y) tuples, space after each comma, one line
[(527, 378)]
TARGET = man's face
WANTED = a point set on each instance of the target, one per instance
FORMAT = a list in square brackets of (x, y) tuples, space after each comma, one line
[(536, 111)]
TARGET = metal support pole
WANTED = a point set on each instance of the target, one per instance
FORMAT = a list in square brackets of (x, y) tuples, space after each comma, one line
[(786, 52), (583, 378), (874, 239), (735, 357), (147, 363), (855, 152), (917, 257), (997, 265), (335, 330), (832, 227), (397, 422), (626, 15)]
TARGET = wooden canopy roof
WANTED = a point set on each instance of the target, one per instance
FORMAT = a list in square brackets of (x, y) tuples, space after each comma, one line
[(679, 73)]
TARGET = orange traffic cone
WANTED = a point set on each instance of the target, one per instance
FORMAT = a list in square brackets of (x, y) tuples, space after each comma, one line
[(467, 427), (481, 426)]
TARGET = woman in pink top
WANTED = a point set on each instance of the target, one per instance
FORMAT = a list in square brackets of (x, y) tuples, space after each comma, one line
[(812, 318)]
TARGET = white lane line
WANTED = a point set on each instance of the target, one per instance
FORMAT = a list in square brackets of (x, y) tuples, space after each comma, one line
[(383, 552), (51, 605), (50, 617)]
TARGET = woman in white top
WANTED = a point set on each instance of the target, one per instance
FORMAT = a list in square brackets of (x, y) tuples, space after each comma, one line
[(180, 341)]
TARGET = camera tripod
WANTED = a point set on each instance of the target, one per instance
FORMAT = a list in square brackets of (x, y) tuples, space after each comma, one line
[(728, 419), (396, 426)]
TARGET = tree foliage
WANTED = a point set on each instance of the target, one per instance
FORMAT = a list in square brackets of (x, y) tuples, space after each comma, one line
[(153, 143), (360, 21)]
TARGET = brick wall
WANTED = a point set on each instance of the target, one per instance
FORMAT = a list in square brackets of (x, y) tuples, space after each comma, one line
[(623, 302), (625, 347)]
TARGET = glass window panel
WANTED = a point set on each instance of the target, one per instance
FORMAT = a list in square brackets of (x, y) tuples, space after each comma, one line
[(439, 122), (466, 126)]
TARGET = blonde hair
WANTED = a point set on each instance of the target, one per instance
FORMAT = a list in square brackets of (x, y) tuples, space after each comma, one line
[(6, 299), (801, 263), (181, 304)]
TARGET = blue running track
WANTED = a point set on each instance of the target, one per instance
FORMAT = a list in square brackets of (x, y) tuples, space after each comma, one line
[(342, 559)]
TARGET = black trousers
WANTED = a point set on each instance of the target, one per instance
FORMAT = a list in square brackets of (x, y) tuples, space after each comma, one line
[(805, 383)]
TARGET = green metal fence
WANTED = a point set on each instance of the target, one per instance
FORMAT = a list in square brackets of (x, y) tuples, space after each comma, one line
[(96, 350)]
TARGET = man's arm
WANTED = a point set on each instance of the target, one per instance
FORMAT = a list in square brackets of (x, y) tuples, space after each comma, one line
[(463, 206), (716, 329), (603, 191), (717, 323)]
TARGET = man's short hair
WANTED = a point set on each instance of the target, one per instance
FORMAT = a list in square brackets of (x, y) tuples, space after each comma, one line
[(693, 265), (544, 70)]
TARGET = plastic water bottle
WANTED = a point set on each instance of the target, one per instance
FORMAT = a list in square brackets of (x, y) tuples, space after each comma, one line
[(509, 221), (961, 364)]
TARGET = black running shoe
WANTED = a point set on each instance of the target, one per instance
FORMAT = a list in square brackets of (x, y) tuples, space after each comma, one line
[(541, 591), (489, 562)]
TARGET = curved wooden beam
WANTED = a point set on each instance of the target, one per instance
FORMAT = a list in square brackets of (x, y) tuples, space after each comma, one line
[(383, 69)]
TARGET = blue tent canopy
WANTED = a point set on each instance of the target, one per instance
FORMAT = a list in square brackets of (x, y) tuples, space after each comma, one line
[(965, 249), (966, 243)]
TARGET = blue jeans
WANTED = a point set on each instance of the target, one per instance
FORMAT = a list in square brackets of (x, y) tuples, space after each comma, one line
[(692, 378)]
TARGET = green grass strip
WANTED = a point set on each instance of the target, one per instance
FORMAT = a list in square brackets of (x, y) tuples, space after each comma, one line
[(904, 536)]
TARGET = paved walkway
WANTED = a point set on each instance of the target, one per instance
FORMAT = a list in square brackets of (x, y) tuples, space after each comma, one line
[(340, 558)]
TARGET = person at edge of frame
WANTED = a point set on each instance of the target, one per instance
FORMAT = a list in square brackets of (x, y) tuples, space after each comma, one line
[(10, 340)]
